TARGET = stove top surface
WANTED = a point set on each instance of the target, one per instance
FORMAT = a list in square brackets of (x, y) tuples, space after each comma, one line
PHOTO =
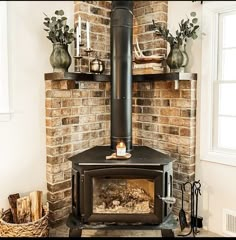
[(140, 155)]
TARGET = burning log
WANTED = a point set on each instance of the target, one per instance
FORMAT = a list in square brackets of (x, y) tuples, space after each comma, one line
[(122, 197)]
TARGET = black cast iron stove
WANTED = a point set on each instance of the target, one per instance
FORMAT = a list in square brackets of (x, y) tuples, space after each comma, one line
[(120, 193), (116, 193)]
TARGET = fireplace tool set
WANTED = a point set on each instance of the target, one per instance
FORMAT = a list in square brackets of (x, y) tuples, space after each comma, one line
[(196, 221)]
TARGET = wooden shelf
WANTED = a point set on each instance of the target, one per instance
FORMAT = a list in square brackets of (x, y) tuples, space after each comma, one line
[(164, 76), (107, 78), (77, 76)]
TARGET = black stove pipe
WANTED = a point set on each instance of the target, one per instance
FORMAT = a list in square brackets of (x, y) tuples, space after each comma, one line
[(121, 73)]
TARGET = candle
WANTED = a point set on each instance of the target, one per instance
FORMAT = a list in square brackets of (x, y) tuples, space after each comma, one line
[(120, 149), (79, 29), (88, 40), (78, 35)]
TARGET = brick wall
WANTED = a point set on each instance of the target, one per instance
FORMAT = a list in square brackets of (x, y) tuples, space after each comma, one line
[(98, 14), (144, 13), (165, 119), (77, 118)]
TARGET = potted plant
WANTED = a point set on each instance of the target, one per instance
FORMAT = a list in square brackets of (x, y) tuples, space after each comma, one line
[(60, 34), (177, 56)]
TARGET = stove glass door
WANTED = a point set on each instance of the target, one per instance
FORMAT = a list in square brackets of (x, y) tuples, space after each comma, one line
[(123, 196)]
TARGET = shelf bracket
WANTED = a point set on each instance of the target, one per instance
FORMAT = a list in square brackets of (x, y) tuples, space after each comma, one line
[(176, 84)]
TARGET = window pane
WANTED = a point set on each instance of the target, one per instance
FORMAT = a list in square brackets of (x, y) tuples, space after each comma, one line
[(229, 31), (227, 99), (228, 64), (227, 132)]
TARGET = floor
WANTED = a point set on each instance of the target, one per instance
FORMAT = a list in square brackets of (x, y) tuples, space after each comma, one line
[(63, 231)]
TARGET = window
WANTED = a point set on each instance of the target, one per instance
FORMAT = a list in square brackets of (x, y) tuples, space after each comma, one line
[(218, 85), (4, 87), (225, 90)]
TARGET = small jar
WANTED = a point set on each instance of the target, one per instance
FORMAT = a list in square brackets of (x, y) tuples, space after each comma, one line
[(97, 66)]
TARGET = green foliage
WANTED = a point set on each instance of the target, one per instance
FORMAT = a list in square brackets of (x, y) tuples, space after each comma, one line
[(187, 29), (57, 29), (161, 30)]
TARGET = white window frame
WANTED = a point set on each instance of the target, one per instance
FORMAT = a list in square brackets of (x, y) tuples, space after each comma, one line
[(210, 20), (4, 87)]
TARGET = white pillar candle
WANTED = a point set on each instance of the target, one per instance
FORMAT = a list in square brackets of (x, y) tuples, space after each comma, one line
[(88, 40), (79, 29), (77, 40), (78, 35)]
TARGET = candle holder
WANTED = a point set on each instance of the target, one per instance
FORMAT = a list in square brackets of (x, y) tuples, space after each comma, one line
[(88, 51), (79, 57)]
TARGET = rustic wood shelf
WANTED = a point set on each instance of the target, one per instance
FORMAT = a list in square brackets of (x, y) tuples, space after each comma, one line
[(164, 76), (77, 76)]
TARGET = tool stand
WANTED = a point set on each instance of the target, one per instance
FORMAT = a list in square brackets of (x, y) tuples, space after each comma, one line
[(196, 221)]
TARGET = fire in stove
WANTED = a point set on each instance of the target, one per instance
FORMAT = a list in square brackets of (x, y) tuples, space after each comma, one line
[(126, 196)]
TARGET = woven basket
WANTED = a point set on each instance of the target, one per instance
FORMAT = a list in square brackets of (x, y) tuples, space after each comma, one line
[(37, 228)]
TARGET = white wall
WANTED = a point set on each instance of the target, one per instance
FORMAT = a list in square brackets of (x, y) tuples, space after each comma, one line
[(218, 190), (22, 139)]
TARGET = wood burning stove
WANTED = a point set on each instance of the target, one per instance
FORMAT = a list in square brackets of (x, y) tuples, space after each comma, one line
[(133, 191), (120, 191)]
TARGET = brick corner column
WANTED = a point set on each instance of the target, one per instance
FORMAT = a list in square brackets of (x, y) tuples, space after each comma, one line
[(59, 148)]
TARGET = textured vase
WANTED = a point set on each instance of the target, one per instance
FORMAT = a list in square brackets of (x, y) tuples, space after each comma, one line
[(174, 59), (60, 58), (185, 58)]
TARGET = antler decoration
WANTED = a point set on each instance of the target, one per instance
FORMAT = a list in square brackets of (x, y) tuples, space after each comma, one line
[(141, 58), (139, 50), (136, 53)]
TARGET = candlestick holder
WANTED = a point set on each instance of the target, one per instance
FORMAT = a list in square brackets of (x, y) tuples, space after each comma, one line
[(79, 57), (88, 51)]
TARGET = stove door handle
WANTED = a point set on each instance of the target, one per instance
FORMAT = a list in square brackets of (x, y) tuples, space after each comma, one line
[(168, 200)]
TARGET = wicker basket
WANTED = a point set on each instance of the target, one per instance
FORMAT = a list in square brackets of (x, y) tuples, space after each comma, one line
[(39, 228)]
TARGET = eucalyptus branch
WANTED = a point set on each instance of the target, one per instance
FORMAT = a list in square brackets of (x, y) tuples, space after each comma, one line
[(187, 29), (57, 29)]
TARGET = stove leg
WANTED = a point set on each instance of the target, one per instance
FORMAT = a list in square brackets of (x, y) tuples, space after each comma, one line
[(75, 232)]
